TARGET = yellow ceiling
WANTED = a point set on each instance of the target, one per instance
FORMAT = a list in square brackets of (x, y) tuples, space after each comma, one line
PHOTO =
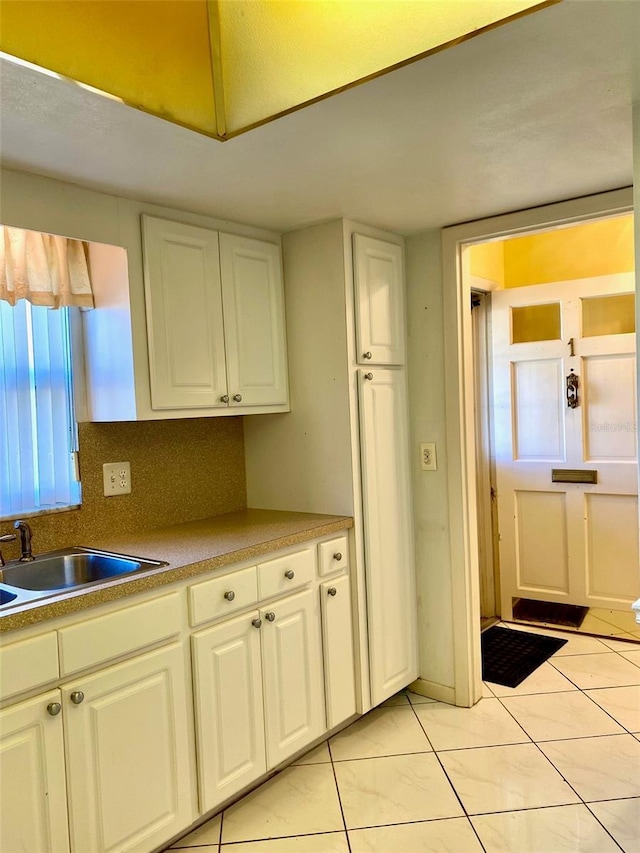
[(223, 66)]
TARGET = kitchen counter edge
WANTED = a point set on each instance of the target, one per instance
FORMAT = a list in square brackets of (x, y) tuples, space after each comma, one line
[(190, 549)]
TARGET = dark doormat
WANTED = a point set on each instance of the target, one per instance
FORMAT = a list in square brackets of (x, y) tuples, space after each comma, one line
[(529, 610), (509, 656)]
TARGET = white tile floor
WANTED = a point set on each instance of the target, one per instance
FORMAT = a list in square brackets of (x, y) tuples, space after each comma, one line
[(549, 767)]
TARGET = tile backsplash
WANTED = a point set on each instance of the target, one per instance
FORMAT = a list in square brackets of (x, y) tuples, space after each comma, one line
[(181, 470)]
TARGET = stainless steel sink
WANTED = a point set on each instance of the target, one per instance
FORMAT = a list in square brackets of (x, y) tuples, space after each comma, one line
[(68, 569)]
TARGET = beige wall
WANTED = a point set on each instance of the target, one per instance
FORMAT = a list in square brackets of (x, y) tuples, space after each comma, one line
[(430, 489), (180, 470)]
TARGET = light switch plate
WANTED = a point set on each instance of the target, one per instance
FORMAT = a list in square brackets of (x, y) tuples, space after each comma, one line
[(116, 478)]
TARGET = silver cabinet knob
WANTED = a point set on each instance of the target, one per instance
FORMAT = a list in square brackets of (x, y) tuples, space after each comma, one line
[(230, 595), (256, 623), (290, 574), (337, 556), (368, 376), (367, 355), (77, 697), (332, 590), (224, 398), (270, 616), (54, 708), (237, 398)]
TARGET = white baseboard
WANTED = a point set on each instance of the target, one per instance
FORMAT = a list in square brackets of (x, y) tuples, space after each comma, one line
[(439, 692)]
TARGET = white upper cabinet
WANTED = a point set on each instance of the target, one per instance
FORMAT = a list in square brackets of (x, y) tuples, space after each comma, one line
[(253, 302), (379, 301), (215, 319), (184, 315)]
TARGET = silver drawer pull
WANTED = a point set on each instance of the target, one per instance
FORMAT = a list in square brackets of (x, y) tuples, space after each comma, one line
[(368, 376), (237, 398), (224, 398), (230, 595), (54, 708), (332, 590), (337, 556), (256, 623), (77, 697), (289, 574), (270, 616), (367, 355)]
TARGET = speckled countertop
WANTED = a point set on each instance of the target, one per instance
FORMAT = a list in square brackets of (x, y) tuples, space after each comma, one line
[(190, 549)]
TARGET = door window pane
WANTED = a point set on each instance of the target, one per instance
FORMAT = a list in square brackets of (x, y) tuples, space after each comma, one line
[(535, 323), (609, 315)]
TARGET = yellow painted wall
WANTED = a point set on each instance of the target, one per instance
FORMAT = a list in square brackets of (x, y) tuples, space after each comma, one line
[(603, 247), (487, 261), (154, 54)]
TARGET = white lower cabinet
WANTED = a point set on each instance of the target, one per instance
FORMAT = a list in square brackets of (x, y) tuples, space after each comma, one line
[(32, 777), (258, 691), (115, 745), (337, 648), (229, 711), (128, 754), (292, 675)]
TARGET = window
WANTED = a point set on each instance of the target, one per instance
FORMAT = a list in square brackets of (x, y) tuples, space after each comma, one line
[(38, 469), (41, 277)]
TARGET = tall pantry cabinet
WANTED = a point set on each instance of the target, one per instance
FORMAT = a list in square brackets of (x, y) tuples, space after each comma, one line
[(344, 446)]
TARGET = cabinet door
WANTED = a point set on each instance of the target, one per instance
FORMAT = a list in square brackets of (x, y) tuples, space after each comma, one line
[(292, 675), (379, 301), (389, 555), (229, 709), (337, 647), (253, 300), (32, 778), (129, 754), (184, 315)]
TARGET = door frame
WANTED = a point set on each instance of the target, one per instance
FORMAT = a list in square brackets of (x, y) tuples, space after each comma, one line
[(488, 553), (459, 407)]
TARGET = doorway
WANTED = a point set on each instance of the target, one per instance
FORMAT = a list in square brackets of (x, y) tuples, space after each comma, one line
[(461, 401)]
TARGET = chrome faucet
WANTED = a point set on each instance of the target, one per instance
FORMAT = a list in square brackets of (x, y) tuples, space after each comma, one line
[(25, 541), (8, 537)]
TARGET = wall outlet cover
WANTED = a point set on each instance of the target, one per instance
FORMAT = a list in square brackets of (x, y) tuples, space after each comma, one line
[(428, 461), (116, 478)]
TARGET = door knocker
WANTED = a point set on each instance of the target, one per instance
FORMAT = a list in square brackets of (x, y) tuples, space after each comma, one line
[(573, 400)]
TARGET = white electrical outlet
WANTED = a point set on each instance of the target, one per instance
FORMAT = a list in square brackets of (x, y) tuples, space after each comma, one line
[(116, 477), (428, 461)]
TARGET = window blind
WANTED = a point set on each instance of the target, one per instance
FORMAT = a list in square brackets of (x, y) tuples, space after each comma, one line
[(38, 437)]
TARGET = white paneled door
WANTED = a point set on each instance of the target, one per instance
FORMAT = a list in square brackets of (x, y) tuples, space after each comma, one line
[(571, 542)]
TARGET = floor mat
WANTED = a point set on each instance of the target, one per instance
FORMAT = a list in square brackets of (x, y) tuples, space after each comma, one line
[(529, 610), (509, 656)]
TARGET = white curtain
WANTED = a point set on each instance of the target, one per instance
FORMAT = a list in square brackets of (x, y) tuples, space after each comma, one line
[(44, 269)]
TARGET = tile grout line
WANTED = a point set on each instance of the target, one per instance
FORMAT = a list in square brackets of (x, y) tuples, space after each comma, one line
[(453, 788), (566, 781), (335, 779)]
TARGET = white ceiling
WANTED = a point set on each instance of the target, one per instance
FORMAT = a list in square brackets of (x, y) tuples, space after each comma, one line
[(538, 110)]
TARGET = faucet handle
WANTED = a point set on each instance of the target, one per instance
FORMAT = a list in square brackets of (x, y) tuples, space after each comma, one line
[(7, 537)]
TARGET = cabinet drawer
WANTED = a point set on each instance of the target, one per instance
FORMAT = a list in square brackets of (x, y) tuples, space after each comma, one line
[(333, 556), (28, 664), (286, 573), (223, 596), (108, 637)]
